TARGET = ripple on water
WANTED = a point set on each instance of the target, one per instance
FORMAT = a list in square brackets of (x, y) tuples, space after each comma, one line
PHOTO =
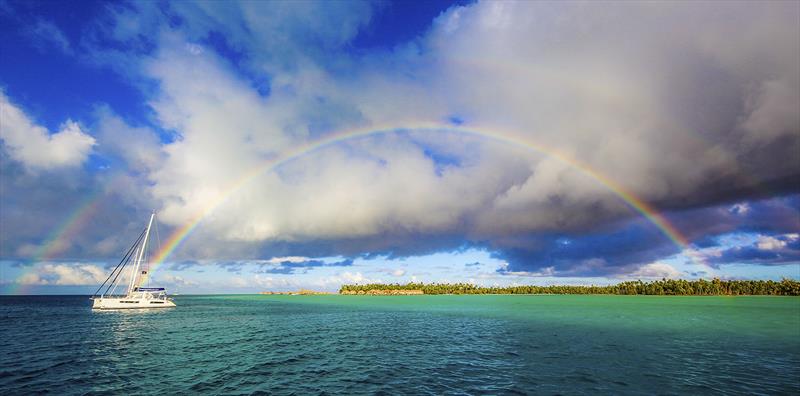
[(447, 345)]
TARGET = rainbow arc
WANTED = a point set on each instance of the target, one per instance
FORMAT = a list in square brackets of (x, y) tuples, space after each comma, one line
[(506, 137)]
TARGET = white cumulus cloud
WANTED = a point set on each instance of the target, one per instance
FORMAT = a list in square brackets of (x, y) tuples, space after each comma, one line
[(572, 77), (64, 275), (656, 271), (35, 147), (766, 242)]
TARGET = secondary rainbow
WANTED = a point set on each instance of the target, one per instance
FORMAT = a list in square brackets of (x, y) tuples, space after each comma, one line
[(514, 139), (56, 241)]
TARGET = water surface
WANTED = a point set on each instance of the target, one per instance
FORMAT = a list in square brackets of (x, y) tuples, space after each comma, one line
[(404, 344)]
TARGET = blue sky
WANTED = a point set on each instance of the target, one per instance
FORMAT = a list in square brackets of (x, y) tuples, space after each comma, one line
[(509, 130)]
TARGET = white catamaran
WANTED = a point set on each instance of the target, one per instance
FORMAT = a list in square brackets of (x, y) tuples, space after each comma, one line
[(136, 296)]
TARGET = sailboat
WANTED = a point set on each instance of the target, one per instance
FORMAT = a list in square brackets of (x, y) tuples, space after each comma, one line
[(135, 295)]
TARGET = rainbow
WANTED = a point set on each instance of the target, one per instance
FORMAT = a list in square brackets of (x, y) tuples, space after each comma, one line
[(55, 243), (637, 204)]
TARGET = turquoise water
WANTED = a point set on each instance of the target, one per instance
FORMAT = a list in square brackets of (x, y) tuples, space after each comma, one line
[(406, 344)]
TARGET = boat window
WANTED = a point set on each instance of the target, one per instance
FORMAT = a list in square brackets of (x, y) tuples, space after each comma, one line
[(156, 302)]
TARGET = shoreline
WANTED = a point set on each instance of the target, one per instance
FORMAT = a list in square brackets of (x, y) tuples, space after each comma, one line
[(510, 294)]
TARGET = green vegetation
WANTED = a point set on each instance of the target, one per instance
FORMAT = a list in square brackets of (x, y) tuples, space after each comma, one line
[(668, 287)]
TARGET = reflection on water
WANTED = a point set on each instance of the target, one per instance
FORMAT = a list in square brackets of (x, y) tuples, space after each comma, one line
[(126, 324), (435, 345)]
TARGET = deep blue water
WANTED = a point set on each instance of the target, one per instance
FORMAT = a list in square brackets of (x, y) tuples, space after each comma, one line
[(404, 345)]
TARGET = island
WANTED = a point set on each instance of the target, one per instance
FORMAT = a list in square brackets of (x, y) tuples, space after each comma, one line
[(663, 287)]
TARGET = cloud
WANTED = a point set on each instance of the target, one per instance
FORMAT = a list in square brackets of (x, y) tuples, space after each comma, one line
[(773, 243), (689, 107), (175, 280), (622, 248), (139, 148), (396, 272), (45, 33), (612, 250), (740, 208), (182, 265), (59, 209), (64, 275), (623, 101), (778, 215), (766, 250), (350, 278), (292, 267), (267, 282), (35, 147), (289, 259), (272, 35), (656, 271)]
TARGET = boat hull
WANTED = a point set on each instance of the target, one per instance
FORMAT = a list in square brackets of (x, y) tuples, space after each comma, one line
[(130, 303)]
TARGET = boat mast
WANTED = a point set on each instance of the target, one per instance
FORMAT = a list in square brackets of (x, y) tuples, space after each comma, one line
[(139, 259), (133, 269)]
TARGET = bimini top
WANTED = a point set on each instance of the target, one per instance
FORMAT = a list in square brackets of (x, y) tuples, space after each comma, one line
[(149, 289)]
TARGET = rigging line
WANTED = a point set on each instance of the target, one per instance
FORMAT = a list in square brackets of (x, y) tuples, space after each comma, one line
[(120, 263), (114, 282), (158, 240), (126, 260), (121, 269)]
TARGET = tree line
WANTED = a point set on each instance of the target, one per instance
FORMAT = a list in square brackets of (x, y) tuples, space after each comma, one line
[(663, 287)]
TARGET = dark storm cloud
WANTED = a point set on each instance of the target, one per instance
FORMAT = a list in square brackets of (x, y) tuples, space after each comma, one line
[(610, 251), (725, 191), (770, 216), (639, 242), (613, 249)]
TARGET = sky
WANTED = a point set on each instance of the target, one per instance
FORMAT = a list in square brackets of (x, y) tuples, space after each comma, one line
[(301, 144)]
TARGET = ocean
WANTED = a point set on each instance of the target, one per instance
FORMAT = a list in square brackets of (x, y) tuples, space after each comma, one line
[(303, 345)]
